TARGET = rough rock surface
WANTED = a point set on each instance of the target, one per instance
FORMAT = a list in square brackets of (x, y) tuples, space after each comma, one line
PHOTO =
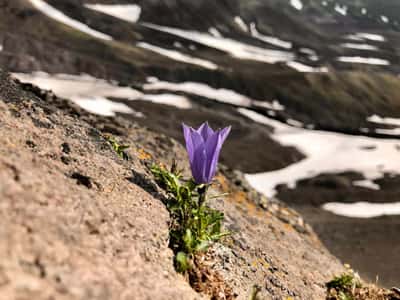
[(78, 222)]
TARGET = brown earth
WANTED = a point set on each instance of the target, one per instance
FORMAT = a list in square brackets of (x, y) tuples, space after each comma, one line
[(78, 222), (370, 245)]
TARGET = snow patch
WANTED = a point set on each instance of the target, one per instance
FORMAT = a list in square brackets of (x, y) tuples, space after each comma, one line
[(214, 32), (383, 120), (326, 152), (361, 36), (364, 60), (308, 51), (312, 55), (341, 9), (269, 39), (69, 86), (92, 93), (363, 209), (62, 18), (204, 90), (360, 46), (169, 99), (127, 12), (175, 55), (104, 107), (368, 184), (177, 45), (385, 19), (239, 21), (306, 69), (294, 123), (233, 47), (297, 4), (394, 131)]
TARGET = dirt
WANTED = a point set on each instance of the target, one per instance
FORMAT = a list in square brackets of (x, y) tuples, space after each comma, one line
[(79, 222), (371, 245)]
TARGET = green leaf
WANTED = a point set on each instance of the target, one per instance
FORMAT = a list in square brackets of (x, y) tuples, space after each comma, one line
[(188, 239), (182, 262), (203, 246)]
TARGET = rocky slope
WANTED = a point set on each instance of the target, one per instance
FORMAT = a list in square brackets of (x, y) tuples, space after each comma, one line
[(78, 222)]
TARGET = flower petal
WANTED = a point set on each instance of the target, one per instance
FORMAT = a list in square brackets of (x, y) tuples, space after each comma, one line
[(204, 146), (212, 156), (225, 132), (198, 163), (213, 149), (188, 140), (206, 131)]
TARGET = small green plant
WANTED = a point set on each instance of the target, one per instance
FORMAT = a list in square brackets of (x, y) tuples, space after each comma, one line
[(119, 149), (194, 225), (344, 286)]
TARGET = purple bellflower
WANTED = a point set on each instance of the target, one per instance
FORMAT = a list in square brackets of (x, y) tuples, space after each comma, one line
[(203, 147)]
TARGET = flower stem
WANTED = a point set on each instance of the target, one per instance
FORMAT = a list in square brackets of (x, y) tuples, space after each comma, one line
[(202, 194), (202, 199)]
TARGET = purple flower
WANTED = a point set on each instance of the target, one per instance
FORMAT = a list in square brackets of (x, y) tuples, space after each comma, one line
[(203, 147)]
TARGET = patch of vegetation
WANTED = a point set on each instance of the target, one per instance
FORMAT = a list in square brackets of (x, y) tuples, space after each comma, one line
[(118, 148), (195, 226), (343, 287), (348, 286)]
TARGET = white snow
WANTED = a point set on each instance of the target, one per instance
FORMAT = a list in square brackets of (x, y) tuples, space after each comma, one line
[(371, 36), (152, 79), (360, 46), (369, 184), (312, 55), (177, 45), (239, 21), (308, 51), (204, 90), (104, 107), (295, 123), (364, 60), (306, 69), (361, 36), (169, 99), (92, 93), (297, 4), (214, 32), (383, 120), (269, 39), (126, 12), (175, 55), (394, 131), (364, 11), (275, 105), (61, 17), (70, 86), (341, 9), (326, 152), (385, 19), (363, 209), (233, 47)]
